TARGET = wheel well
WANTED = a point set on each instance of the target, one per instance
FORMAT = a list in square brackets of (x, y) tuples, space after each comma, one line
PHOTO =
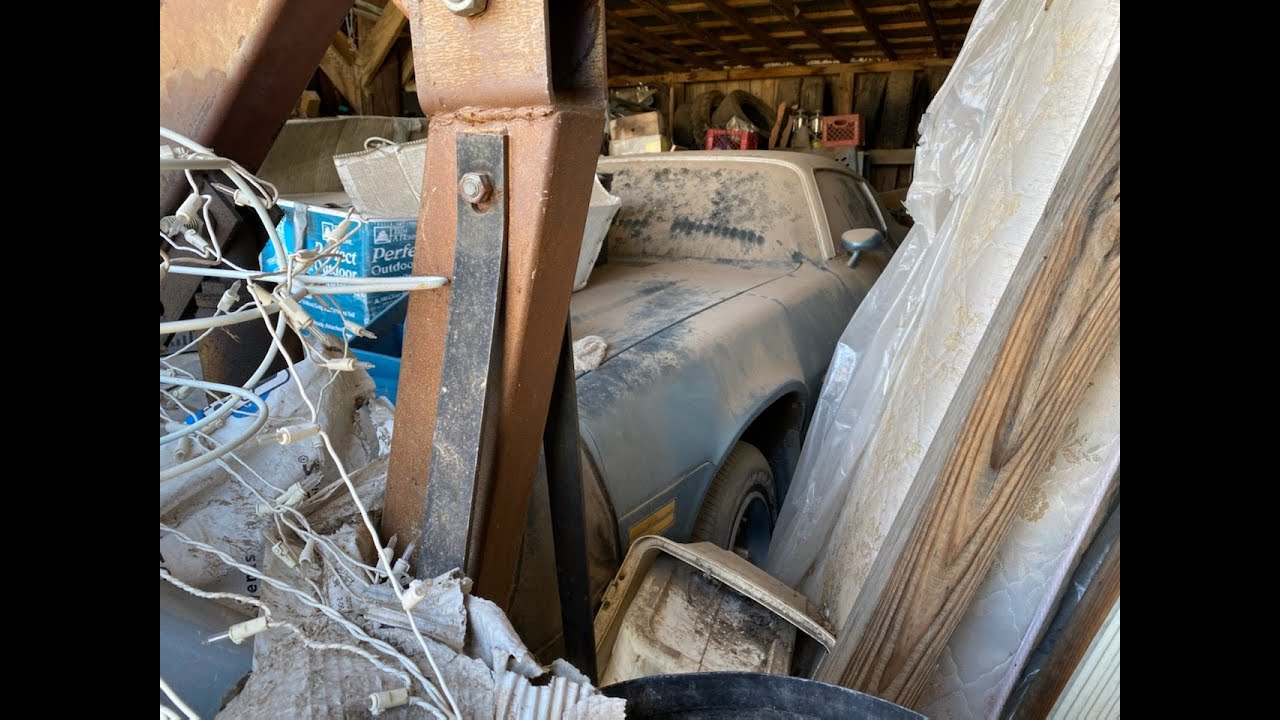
[(776, 432)]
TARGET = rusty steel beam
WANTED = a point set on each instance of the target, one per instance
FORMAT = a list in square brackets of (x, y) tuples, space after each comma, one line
[(536, 72), (230, 72)]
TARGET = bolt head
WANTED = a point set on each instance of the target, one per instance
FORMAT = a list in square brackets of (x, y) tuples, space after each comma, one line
[(475, 187), (466, 8)]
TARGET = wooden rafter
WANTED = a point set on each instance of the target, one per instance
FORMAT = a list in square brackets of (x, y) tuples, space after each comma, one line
[(734, 55), (932, 24), (634, 31), (621, 59), (813, 32), (374, 49), (643, 55), (860, 11), (731, 74), (743, 23)]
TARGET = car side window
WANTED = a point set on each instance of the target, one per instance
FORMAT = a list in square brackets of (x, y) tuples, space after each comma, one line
[(845, 204)]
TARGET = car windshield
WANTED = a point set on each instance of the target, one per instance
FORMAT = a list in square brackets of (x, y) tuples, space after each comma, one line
[(710, 210)]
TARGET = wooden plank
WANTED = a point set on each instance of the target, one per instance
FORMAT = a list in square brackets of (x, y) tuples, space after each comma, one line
[(927, 12), (341, 73), (813, 32), (842, 94), (1060, 311), (787, 90), (375, 46), (868, 99), (783, 71), (1068, 638), (813, 94), (859, 11), (744, 23), (895, 125), (406, 67), (383, 94), (902, 156), (896, 117), (633, 30), (1094, 689), (659, 8)]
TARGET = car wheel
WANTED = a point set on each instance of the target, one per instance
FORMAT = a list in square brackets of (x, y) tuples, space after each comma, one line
[(741, 505)]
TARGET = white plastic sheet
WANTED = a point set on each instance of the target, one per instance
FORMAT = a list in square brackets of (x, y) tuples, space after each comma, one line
[(993, 144)]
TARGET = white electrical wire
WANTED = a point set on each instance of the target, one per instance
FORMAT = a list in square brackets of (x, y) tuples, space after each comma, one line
[(303, 274), (368, 523), (329, 612), (177, 701), (259, 419), (311, 644)]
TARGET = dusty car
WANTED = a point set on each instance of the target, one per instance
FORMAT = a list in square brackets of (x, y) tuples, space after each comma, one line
[(722, 289)]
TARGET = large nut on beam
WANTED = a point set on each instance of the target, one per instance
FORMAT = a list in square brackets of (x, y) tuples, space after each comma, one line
[(466, 8), (475, 187)]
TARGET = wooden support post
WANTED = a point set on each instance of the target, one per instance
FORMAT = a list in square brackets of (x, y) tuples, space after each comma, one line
[(1060, 311)]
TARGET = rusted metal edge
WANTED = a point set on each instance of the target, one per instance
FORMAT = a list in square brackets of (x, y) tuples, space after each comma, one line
[(462, 445)]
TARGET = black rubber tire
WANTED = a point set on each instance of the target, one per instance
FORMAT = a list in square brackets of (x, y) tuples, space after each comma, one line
[(704, 106), (744, 476), (682, 128), (743, 104)]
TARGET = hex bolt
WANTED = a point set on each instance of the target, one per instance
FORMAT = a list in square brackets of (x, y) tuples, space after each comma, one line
[(466, 8), (475, 187)]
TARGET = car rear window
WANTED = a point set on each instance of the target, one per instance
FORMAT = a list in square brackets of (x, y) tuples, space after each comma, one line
[(710, 210)]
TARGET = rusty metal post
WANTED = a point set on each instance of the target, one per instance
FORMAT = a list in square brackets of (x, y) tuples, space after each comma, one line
[(535, 71), (230, 72)]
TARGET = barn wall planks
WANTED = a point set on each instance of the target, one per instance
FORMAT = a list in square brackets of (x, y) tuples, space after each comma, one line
[(894, 106)]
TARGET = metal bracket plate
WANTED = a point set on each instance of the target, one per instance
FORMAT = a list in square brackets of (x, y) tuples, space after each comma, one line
[(462, 446)]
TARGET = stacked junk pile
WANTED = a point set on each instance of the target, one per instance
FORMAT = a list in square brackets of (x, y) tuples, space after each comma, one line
[(284, 595)]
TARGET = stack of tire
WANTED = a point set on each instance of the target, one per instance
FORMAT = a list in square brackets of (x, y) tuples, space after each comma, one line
[(714, 109)]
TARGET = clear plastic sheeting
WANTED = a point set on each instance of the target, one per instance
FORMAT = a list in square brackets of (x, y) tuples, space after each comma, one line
[(993, 144)]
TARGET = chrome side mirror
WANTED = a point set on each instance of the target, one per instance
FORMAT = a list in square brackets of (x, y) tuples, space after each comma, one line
[(858, 240)]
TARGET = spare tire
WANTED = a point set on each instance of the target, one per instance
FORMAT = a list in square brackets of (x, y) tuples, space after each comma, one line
[(704, 107), (746, 106), (682, 127)]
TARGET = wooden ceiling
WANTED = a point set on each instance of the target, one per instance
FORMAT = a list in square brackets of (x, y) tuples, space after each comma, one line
[(659, 36)]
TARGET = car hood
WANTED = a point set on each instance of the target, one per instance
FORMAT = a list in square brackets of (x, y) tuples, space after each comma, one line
[(628, 301)]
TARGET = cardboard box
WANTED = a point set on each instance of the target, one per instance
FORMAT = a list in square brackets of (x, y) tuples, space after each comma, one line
[(645, 144), (323, 170), (628, 127)]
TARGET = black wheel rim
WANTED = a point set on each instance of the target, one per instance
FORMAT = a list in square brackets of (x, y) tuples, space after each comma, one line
[(753, 528)]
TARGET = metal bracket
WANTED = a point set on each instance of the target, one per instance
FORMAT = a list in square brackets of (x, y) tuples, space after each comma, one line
[(462, 446)]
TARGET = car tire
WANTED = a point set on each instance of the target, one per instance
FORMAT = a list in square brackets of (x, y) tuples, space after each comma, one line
[(740, 506), (742, 104), (682, 127), (704, 106)]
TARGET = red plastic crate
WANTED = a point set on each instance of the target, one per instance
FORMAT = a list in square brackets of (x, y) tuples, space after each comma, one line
[(732, 140), (842, 130)]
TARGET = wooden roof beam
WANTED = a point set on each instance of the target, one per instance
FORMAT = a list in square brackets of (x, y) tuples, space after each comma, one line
[(927, 12), (644, 56), (860, 11), (635, 31), (744, 24), (735, 55), (789, 9)]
